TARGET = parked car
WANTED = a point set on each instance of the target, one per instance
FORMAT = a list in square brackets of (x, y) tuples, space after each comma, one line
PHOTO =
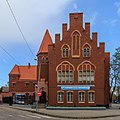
[(116, 101)]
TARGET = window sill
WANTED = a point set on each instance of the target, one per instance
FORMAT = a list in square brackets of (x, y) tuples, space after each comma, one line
[(60, 102), (81, 102), (91, 102), (69, 102)]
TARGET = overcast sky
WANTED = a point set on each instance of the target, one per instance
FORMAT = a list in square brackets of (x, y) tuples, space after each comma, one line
[(35, 16)]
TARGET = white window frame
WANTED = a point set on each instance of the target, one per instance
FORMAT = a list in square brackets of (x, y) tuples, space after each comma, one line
[(92, 98), (60, 97), (72, 97), (81, 96)]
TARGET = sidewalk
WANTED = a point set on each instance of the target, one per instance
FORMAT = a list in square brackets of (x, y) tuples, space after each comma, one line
[(74, 114)]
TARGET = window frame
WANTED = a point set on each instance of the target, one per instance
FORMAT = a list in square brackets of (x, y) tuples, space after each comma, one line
[(68, 76), (27, 84), (65, 49), (14, 84), (60, 97), (86, 50), (79, 96), (93, 97), (72, 98), (88, 78)]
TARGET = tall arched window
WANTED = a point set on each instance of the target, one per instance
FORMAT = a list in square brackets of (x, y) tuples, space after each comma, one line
[(75, 44), (86, 50), (91, 96), (65, 72), (60, 96), (86, 72), (81, 96), (65, 51)]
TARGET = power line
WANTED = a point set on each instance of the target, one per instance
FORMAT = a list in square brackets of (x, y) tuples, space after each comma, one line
[(9, 54), (19, 27)]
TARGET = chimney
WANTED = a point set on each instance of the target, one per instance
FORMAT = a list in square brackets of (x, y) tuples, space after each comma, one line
[(28, 65)]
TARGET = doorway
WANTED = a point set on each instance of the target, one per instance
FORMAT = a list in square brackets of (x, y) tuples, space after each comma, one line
[(42, 98)]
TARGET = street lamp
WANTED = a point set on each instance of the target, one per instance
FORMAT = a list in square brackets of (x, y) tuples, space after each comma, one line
[(37, 88)]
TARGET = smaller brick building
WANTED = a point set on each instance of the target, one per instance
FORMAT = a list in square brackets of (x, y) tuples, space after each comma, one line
[(22, 80)]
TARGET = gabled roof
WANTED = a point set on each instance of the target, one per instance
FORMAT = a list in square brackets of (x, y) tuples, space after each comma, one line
[(26, 72), (15, 70), (45, 42)]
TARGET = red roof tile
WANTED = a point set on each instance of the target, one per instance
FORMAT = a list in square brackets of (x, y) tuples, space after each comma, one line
[(28, 72), (45, 42), (25, 72), (15, 70)]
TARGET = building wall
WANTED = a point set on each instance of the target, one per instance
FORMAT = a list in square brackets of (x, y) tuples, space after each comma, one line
[(20, 86), (99, 58)]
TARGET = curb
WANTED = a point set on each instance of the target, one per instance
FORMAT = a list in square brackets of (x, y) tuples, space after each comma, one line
[(58, 116)]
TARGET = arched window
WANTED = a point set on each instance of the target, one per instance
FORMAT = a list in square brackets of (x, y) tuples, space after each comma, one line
[(65, 51), (86, 50), (75, 44), (65, 72), (81, 96), (43, 59), (60, 96), (70, 96), (47, 60), (86, 72), (91, 96)]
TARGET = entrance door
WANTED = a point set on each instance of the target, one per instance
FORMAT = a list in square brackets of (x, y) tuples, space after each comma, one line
[(42, 99)]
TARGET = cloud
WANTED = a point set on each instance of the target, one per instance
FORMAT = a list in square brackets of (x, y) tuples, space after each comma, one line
[(32, 16), (117, 4), (75, 6), (93, 18), (112, 22)]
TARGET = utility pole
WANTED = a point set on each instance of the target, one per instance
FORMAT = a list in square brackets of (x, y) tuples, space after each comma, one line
[(37, 89)]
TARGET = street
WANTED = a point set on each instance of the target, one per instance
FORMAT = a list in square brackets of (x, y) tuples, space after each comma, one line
[(7, 113)]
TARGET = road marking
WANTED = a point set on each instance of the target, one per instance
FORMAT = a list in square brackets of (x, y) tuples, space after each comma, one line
[(24, 116), (44, 116), (10, 115), (33, 116)]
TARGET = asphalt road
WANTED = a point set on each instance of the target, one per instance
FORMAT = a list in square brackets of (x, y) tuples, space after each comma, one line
[(13, 114), (7, 113)]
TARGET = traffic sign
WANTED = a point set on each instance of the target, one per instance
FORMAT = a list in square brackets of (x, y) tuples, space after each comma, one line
[(39, 94)]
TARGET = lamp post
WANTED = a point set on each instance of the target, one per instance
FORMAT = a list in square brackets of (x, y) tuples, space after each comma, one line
[(38, 86)]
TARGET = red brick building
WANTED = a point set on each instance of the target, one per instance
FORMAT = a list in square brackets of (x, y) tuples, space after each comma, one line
[(22, 80), (74, 71)]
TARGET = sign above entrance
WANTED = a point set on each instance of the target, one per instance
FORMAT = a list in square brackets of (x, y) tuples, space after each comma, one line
[(75, 87)]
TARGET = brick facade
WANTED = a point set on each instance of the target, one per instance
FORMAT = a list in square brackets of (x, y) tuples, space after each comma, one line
[(22, 80), (83, 57)]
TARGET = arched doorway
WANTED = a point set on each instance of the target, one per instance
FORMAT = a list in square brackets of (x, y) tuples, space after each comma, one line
[(42, 98)]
